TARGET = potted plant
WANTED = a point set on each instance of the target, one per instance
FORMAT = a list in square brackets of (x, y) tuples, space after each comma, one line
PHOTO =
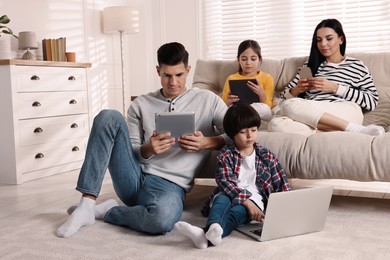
[(5, 38), (3, 28)]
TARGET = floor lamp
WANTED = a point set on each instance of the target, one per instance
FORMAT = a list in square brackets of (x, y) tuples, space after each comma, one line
[(122, 20)]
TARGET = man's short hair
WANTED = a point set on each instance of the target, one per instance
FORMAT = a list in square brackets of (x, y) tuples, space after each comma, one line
[(240, 116), (171, 54)]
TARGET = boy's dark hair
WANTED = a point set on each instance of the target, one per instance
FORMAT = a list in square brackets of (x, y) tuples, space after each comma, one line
[(240, 116), (172, 54)]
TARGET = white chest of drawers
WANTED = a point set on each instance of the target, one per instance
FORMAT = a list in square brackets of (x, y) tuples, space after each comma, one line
[(44, 118)]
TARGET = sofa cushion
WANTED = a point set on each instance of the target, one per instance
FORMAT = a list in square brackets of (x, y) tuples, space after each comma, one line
[(379, 66), (331, 155), (212, 74), (290, 69)]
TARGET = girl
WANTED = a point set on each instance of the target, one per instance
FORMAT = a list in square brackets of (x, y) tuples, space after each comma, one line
[(249, 59)]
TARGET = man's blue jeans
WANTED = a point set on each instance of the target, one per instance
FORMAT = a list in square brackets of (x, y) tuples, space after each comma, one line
[(227, 215), (153, 204)]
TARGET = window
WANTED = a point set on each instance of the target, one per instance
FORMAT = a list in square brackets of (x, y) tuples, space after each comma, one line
[(284, 28)]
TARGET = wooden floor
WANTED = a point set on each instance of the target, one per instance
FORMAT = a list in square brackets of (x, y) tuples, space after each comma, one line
[(17, 198)]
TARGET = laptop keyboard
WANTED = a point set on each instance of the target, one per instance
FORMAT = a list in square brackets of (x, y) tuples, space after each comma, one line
[(257, 231)]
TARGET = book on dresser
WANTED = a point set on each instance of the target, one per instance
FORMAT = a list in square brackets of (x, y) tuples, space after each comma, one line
[(54, 49), (45, 118)]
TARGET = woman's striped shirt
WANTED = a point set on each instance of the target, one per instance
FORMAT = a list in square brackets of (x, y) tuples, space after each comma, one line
[(354, 80)]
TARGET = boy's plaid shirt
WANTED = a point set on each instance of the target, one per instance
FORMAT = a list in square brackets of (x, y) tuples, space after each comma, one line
[(270, 175)]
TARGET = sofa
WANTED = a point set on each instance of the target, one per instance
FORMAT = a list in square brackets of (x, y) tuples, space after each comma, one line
[(323, 155)]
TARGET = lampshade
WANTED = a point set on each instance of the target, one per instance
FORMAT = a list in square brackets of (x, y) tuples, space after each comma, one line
[(27, 40), (120, 19)]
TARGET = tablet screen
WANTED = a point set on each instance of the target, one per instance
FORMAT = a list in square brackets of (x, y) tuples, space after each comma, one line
[(177, 123), (239, 88)]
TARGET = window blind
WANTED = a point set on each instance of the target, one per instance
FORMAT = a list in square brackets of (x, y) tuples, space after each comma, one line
[(284, 28)]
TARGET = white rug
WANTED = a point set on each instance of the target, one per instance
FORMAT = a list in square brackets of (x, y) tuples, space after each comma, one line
[(356, 228)]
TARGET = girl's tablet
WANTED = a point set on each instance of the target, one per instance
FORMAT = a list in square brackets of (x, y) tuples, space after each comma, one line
[(239, 88)]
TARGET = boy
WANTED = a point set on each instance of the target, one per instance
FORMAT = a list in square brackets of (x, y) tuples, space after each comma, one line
[(246, 175)]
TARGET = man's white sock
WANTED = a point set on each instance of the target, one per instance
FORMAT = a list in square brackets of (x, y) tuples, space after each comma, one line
[(196, 234), (83, 215), (100, 209), (369, 129), (214, 234)]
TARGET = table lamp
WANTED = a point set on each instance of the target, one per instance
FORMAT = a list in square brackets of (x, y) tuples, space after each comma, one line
[(27, 41)]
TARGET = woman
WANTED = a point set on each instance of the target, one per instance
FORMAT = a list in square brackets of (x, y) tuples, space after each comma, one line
[(334, 98)]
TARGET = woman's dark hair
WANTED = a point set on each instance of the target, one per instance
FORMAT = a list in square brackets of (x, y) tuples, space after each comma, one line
[(316, 58), (248, 44), (240, 116), (172, 54)]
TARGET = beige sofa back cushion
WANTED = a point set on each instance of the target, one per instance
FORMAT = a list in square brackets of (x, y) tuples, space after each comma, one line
[(211, 74)]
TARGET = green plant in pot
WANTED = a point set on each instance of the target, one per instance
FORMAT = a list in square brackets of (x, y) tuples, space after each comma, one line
[(3, 28)]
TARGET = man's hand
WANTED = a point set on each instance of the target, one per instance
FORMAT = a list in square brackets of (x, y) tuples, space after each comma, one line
[(158, 144), (193, 143), (254, 212)]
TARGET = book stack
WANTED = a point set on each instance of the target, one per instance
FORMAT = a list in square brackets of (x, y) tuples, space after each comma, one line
[(54, 49)]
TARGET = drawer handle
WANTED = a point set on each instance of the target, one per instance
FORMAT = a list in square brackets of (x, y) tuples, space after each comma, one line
[(35, 77), (38, 130), (72, 102), (71, 78), (39, 156), (75, 149), (36, 104), (74, 125)]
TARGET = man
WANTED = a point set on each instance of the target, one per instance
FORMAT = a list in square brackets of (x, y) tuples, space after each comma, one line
[(149, 175)]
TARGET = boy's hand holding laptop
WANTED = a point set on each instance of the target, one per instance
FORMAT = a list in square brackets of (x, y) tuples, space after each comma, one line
[(254, 211)]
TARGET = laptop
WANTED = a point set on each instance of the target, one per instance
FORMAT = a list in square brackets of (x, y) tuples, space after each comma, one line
[(291, 213), (239, 88)]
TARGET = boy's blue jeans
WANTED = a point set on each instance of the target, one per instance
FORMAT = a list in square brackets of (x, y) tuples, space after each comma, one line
[(153, 204), (228, 216)]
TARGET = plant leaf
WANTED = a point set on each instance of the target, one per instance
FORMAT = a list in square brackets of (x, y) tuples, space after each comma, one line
[(4, 19)]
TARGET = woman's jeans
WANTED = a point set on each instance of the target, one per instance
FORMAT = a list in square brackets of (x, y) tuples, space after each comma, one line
[(153, 204), (228, 216)]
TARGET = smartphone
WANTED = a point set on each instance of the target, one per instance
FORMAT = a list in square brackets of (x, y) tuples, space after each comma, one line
[(304, 72)]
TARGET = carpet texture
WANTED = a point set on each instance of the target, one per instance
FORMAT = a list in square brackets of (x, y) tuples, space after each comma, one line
[(356, 228)]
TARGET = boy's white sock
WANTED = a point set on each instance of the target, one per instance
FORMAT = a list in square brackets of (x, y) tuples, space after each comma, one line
[(196, 234), (100, 209), (214, 234), (369, 129), (83, 215)]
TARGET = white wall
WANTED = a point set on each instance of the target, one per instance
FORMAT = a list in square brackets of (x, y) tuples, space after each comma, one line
[(80, 22)]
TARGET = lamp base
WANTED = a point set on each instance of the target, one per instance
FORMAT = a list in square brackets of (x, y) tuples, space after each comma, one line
[(28, 55)]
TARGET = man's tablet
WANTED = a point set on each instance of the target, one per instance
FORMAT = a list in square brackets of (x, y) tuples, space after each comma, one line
[(177, 123), (239, 88)]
